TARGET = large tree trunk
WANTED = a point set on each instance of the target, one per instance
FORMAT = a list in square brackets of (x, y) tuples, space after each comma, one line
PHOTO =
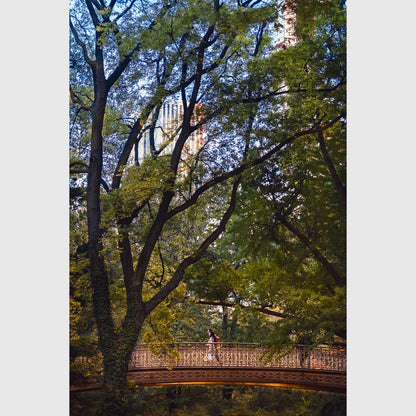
[(98, 273), (116, 393), (116, 350)]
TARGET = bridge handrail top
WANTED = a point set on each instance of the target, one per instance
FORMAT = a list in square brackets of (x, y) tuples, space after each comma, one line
[(196, 342), (231, 343)]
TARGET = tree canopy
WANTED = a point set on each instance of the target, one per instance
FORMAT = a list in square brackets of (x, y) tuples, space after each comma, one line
[(273, 120)]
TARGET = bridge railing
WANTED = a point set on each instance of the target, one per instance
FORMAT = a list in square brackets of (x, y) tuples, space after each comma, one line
[(197, 354)]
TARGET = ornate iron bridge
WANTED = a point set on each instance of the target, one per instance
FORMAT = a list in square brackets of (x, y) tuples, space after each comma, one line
[(322, 368)]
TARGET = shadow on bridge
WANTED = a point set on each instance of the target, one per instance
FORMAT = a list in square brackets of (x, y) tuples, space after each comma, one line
[(321, 369)]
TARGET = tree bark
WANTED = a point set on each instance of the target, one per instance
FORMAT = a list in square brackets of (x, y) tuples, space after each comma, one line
[(337, 181), (340, 280)]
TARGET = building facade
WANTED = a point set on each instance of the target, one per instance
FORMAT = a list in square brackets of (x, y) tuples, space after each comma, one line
[(167, 129), (290, 38)]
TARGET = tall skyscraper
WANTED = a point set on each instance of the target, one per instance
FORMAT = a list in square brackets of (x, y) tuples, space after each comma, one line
[(167, 131), (289, 27), (287, 36)]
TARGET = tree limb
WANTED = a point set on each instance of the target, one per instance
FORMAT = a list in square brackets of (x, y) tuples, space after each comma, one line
[(72, 164), (99, 5), (315, 251), (125, 10), (287, 92), (76, 100), (255, 307), (188, 261), (81, 44), (115, 75), (93, 15), (248, 165), (337, 181), (85, 170), (186, 125)]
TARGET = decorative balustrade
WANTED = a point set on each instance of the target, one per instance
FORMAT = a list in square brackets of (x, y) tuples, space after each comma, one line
[(243, 355)]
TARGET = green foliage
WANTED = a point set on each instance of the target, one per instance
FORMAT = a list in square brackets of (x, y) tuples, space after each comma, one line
[(213, 278), (158, 328), (86, 360), (251, 98), (141, 183), (250, 401), (282, 272)]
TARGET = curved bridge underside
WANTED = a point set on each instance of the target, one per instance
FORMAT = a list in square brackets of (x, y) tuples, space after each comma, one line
[(293, 378), (320, 380), (321, 369)]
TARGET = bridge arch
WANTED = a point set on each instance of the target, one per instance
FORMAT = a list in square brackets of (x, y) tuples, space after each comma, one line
[(321, 369)]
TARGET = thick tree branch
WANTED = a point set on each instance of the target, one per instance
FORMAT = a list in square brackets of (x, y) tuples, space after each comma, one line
[(186, 125), (248, 165), (128, 146), (163, 215), (112, 3), (259, 38), (124, 63), (315, 251), (132, 139), (98, 4), (84, 49), (337, 181), (93, 14), (151, 240), (185, 83), (147, 111), (85, 170), (115, 75), (255, 307), (188, 261), (125, 10), (156, 101), (160, 220)]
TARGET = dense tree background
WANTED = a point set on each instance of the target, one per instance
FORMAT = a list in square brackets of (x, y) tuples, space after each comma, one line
[(254, 223), (208, 401)]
